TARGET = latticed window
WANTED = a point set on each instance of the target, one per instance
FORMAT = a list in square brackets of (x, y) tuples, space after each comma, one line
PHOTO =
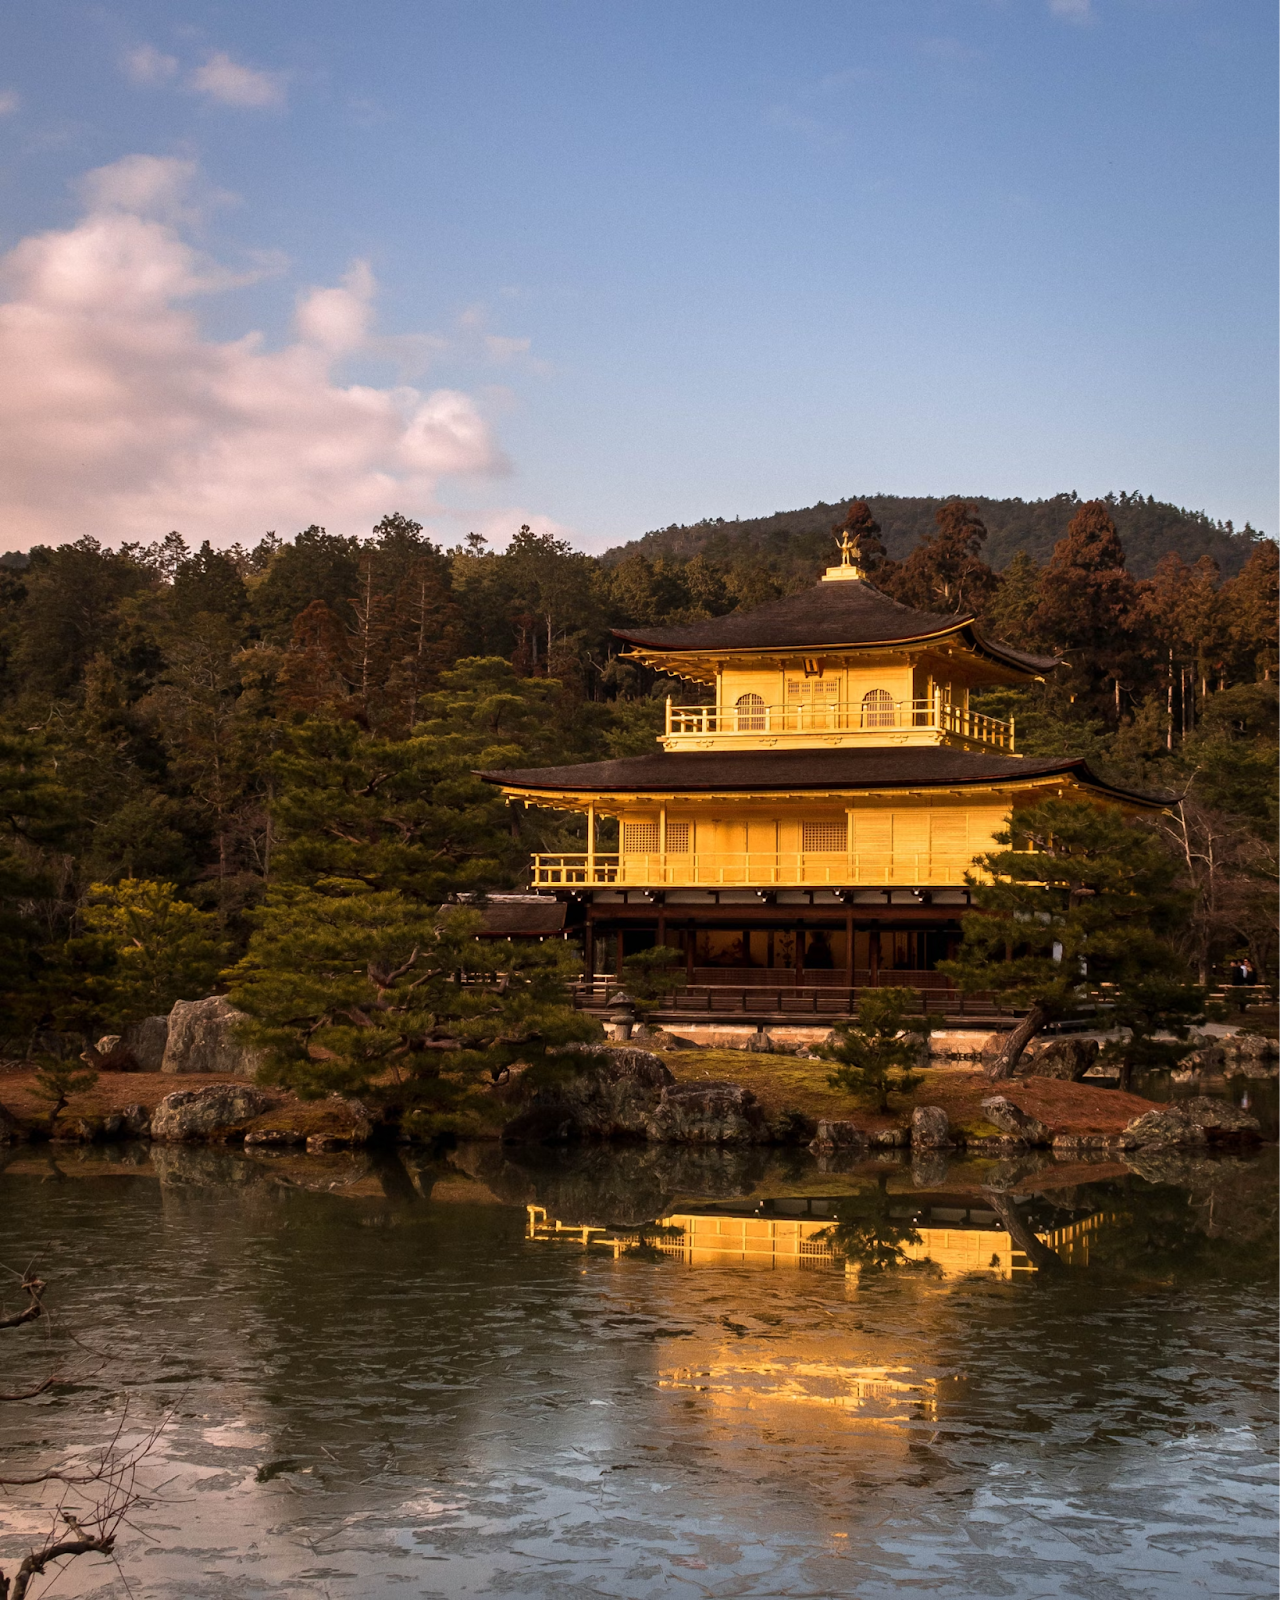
[(639, 838), (877, 709), (816, 691), (678, 838), (823, 836), (750, 709)]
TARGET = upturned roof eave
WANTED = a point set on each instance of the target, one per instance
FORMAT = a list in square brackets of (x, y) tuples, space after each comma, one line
[(531, 781), (1025, 664)]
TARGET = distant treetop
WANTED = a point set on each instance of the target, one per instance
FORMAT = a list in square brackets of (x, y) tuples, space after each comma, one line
[(1149, 529)]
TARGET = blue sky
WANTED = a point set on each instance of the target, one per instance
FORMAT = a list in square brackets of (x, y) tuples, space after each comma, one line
[(603, 267)]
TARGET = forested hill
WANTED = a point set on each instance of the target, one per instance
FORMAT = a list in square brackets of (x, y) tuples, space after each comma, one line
[(801, 540)]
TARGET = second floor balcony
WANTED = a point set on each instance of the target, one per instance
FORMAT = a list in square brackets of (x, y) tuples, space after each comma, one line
[(876, 719), (756, 869)]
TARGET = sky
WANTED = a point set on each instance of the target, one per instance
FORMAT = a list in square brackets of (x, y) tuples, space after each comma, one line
[(601, 267)]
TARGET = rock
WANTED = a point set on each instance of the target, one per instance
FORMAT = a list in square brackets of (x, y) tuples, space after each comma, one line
[(891, 1138), (611, 1094), (1248, 1067), (1003, 1114), (1209, 1059), (838, 1135), (930, 1128), (213, 1113), (761, 1043), (708, 1113), (1201, 1120), (107, 1043), (132, 1122), (1067, 1059), (1220, 1119), (660, 1039), (273, 1138), (145, 1041), (1070, 1144), (201, 1038), (1165, 1126)]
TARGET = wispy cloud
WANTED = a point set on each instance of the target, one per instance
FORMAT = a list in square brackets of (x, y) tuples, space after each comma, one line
[(121, 417), (10, 100), (1072, 10), (231, 83), (147, 65)]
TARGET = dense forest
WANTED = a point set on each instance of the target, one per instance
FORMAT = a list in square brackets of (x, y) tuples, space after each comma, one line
[(188, 730), (790, 541)]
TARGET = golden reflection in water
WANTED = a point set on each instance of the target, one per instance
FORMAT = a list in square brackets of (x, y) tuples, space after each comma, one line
[(969, 1241)]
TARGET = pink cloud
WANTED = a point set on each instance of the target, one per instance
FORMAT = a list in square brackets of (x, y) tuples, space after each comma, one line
[(233, 84), (118, 417)]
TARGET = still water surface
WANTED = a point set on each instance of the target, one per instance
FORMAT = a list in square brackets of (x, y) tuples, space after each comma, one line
[(380, 1385)]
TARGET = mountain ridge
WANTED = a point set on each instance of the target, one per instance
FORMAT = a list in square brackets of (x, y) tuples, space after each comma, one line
[(1148, 529)]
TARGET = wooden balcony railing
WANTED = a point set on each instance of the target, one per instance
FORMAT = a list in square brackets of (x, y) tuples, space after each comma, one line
[(753, 870), (866, 723), (779, 995)]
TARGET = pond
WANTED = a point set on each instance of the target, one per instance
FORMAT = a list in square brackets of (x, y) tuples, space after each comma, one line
[(388, 1375)]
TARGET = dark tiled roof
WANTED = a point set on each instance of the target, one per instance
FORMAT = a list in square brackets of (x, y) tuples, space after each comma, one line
[(696, 771), (528, 917), (826, 616)]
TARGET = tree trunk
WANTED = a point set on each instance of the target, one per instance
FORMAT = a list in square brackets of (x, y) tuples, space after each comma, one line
[(1003, 1064)]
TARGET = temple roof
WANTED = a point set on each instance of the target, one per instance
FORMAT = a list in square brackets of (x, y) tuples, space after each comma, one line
[(825, 617), (770, 771)]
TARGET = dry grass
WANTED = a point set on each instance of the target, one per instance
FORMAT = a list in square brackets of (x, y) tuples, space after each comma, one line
[(783, 1083)]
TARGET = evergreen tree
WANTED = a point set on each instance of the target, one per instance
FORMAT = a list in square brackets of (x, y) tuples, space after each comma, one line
[(1083, 912), (1008, 613), (163, 948), (1089, 605), (875, 1055), (946, 573), (1250, 604), (366, 992)]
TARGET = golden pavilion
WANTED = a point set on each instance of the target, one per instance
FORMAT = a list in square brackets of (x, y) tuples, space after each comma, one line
[(807, 830)]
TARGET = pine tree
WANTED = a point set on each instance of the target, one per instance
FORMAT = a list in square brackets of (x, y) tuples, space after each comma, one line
[(1080, 910), (163, 948), (876, 1053), (371, 993)]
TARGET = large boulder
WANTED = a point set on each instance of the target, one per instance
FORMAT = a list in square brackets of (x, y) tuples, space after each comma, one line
[(1248, 1055), (201, 1038), (1220, 1119), (708, 1113), (610, 1095), (1067, 1059), (1202, 1120), (218, 1112), (145, 1040), (930, 1128), (1167, 1125), (1003, 1114)]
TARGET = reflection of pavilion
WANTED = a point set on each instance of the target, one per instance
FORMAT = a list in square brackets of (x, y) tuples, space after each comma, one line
[(958, 1234)]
